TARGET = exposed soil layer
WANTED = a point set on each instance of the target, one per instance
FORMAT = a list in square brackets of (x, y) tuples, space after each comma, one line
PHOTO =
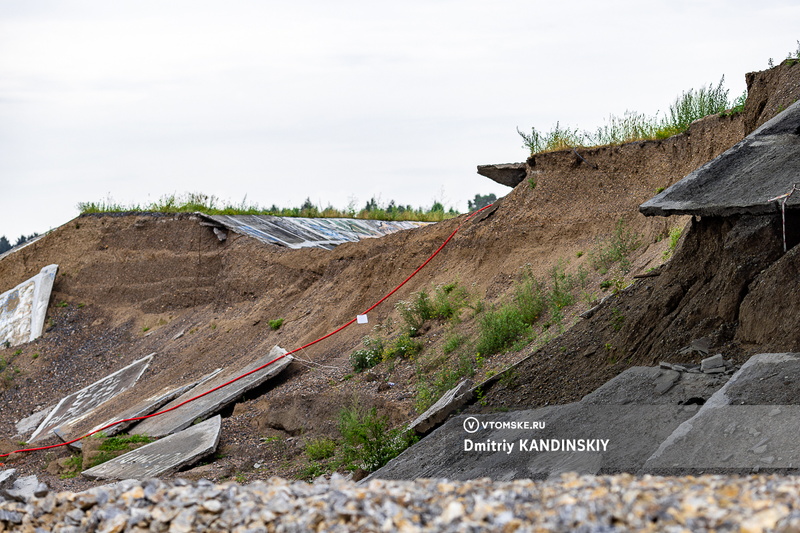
[(137, 284)]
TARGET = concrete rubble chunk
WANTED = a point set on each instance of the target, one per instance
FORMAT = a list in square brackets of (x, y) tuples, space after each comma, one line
[(78, 405), (22, 490), (711, 364), (23, 308), (162, 456), (213, 402), (28, 425), (508, 174), (438, 412), (7, 478), (742, 180)]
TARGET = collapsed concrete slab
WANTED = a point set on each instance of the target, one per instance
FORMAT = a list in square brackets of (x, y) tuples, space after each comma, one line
[(213, 402), (28, 425), (163, 456), (508, 174), (749, 425), (146, 407), (763, 166), (614, 429), (79, 405), (23, 308), (298, 232), (444, 407)]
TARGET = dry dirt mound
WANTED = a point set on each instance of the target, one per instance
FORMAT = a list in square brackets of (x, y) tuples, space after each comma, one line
[(129, 285)]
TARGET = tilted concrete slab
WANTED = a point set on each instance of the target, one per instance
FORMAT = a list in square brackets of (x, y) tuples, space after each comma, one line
[(743, 179), (444, 407), (212, 403), (298, 232), (23, 308), (28, 425), (749, 425), (163, 456), (147, 406), (78, 405)]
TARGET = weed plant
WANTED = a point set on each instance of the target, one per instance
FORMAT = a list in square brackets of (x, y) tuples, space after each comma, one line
[(365, 359), (447, 377), (691, 105), (446, 304), (367, 441), (616, 249), (321, 448)]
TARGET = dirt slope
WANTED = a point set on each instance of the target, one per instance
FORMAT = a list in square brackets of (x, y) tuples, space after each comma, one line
[(129, 285)]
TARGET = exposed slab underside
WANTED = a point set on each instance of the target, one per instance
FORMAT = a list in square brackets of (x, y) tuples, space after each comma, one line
[(23, 308), (309, 232), (763, 166)]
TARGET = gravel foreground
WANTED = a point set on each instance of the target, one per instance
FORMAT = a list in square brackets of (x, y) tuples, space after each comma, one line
[(570, 503)]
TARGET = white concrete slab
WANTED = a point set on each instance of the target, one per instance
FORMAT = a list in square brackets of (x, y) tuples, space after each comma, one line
[(23, 308), (78, 405), (163, 456)]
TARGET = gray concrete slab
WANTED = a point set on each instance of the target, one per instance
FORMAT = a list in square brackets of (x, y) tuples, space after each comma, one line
[(78, 405), (644, 385), (212, 403), (743, 179), (749, 425), (147, 406), (444, 407), (540, 443), (28, 425), (508, 174), (23, 308), (162, 456)]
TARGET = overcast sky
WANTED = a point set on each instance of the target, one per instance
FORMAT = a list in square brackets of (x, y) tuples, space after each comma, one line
[(337, 101)]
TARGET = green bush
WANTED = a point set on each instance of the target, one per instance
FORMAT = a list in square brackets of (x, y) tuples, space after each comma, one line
[(367, 441), (321, 448), (404, 346), (501, 329), (362, 360), (453, 343), (275, 324), (447, 301)]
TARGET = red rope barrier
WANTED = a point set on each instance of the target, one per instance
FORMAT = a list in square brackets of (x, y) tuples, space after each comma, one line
[(262, 367)]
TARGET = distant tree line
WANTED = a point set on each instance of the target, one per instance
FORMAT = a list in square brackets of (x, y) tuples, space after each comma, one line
[(5, 245)]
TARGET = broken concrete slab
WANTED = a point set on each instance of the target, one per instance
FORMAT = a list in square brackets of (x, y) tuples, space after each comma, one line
[(78, 405), (22, 490), (711, 363), (28, 425), (743, 180), (727, 435), (23, 308), (299, 232), (184, 416), (444, 407), (508, 174), (7, 478), (162, 456), (640, 385), (145, 407)]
